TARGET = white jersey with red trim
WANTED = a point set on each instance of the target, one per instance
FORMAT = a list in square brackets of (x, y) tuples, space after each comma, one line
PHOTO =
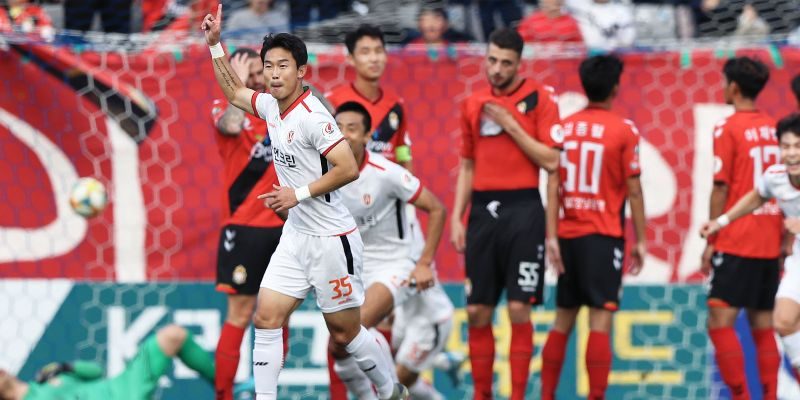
[(775, 184), (377, 201), (301, 137)]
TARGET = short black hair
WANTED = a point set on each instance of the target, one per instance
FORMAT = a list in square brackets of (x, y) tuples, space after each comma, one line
[(367, 30), (356, 107), (433, 10), (750, 75), (796, 87), (286, 41), (507, 38), (244, 50), (789, 123), (599, 75)]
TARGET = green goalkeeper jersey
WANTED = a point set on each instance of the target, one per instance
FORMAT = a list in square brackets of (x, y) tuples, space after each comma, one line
[(84, 382)]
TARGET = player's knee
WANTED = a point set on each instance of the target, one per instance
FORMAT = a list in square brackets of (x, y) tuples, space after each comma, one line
[(519, 312), (479, 315), (263, 320), (785, 324), (341, 338), (171, 338), (240, 313), (406, 376)]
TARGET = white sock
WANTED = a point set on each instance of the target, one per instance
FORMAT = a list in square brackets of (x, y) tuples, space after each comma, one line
[(791, 343), (354, 378), (386, 351), (422, 390), (367, 353), (267, 362)]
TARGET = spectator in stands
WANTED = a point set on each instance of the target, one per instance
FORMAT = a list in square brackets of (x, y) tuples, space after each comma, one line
[(434, 28), (604, 25), (115, 15), (796, 87), (550, 24), (300, 10), (174, 15), (257, 20), (24, 17), (750, 24), (724, 17), (510, 12)]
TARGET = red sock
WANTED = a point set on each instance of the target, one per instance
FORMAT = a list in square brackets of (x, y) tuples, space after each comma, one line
[(769, 361), (553, 354), (337, 388), (227, 360), (598, 363), (519, 356), (730, 360), (481, 355)]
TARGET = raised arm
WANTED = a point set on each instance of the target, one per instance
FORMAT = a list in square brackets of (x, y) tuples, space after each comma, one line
[(747, 204), (233, 88)]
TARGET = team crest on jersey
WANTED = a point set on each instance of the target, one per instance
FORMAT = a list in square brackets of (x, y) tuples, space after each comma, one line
[(247, 125), (522, 107), (557, 133), (290, 137), (717, 164), (239, 275), (367, 199), (328, 128), (394, 120)]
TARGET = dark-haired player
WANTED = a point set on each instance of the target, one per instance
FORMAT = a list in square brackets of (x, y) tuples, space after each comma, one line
[(320, 248), (743, 259), (599, 170), (510, 130), (780, 182)]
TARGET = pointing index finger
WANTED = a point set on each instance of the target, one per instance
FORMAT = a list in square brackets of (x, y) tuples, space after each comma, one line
[(219, 12)]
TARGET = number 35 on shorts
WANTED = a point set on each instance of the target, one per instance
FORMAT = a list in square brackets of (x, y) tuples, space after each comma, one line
[(528, 274), (339, 285)]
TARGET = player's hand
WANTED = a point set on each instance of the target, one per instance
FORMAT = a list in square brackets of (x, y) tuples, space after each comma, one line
[(501, 116), (212, 26), (792, 225), (458, 234), (638, 254), (423, 276), (552, 254), (709, 228), (705, 261), (240, 64), (281, 199)]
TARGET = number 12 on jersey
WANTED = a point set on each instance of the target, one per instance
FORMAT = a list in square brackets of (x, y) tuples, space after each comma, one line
[(586, 174)]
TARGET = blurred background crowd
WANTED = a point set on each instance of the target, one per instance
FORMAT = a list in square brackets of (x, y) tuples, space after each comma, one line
[(601, 24)]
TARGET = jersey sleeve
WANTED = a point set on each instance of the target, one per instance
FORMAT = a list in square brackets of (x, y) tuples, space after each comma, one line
[(763, 186), (723, 154), (87, 370), (405, 186), (259, 103), (321, 131), (467, 138), (548, 123), (630, 151)]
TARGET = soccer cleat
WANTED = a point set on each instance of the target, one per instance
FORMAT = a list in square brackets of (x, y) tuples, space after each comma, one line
[(245, 390), (400, 392), (450, 362)]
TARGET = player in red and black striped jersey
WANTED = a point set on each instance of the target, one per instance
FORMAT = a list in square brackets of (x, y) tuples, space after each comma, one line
[(599, 170), (743, 258), (250, 230), (510, 130)]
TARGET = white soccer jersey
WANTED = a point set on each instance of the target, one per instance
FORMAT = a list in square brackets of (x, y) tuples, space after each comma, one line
[(775, 184), (377, 201), (301, 137)]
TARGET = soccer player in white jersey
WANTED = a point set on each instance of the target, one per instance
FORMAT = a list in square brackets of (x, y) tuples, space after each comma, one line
[(377, 201), (320, 248), (781, 182)]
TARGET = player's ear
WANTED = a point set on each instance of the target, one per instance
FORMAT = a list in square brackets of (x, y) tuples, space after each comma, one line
[(615, 91), (351, 60), (301, 71)]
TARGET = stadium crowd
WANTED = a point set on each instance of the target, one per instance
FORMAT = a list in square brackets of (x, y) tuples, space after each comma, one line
[(599, 24)]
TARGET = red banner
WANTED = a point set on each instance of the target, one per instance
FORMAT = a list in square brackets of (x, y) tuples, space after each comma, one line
[(141, 124)]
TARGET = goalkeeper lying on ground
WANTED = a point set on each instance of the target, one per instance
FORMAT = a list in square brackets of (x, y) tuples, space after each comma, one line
[(84, 380)]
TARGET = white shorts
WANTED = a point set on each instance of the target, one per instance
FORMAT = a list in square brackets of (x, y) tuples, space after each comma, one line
[(394, 275), (790, 283), (418, 340), (330, 264)]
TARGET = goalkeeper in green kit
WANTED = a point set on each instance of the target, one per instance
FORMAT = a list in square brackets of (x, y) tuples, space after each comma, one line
[(84, 380)]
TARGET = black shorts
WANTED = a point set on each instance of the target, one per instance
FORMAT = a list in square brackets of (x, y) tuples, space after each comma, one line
[(743, 282), (505, 247), (593, 272), (242, 257)]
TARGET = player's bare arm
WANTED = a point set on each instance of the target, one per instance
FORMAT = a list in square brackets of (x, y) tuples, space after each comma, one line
[(552, 249), (233, 118), (719, 195), (463, 196), (233, 88), (541, 154), (747, 204), (344, 171), (636, 200), (437, 214)]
